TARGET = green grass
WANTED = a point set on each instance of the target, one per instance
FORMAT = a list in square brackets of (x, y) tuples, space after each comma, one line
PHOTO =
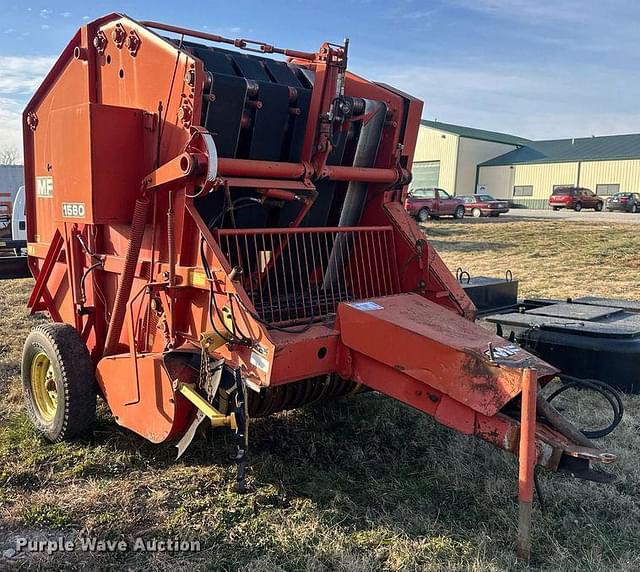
[(358, 484)]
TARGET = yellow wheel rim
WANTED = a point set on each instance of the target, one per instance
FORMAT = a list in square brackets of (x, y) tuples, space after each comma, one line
[(43, 386)]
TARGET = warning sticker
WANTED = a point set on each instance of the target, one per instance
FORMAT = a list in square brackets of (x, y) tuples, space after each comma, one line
[(366, 306), (258, 361)]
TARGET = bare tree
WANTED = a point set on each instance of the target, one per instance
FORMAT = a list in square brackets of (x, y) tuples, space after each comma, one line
[(9, 156)]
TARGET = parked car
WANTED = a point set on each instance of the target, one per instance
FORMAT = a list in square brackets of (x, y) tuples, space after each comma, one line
[(627, 202), (433, 203), (484, 205), (576, 198)]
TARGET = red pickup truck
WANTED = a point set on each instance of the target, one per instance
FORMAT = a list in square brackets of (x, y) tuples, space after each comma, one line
[(433, 203)]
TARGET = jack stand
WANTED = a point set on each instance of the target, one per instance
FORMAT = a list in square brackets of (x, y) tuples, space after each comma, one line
[(527, 460)]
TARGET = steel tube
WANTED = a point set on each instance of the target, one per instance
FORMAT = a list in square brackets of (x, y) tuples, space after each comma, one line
[(526, 462), (260, 169), (300, 230), (278, 170), (361, 174)]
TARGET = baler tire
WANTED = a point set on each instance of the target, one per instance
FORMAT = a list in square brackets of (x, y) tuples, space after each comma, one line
[(74, 407)]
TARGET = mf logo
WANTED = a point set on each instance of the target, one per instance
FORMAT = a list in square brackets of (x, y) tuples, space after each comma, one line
[(44, 187)]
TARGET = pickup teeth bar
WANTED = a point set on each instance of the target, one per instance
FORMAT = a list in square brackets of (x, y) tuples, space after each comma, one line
[(297, 275)]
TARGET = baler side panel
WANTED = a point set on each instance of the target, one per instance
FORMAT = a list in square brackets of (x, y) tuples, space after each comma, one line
[(65, 86), (156, 74)]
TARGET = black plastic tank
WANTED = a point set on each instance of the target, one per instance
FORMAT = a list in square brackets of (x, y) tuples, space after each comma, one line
[(590, 337)]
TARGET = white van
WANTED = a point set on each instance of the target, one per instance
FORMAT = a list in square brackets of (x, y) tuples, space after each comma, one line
[(18, 219)]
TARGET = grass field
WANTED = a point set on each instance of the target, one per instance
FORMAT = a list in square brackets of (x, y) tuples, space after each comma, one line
[(355, 485)]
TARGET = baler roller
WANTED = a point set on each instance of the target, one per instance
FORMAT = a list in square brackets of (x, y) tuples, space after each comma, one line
[(298, 394)]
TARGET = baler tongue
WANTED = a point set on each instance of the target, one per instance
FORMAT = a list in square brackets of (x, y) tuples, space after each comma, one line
[(428, 357)]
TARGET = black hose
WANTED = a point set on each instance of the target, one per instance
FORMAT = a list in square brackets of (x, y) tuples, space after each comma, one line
[(605, 390), (236, 337), (538, 487)]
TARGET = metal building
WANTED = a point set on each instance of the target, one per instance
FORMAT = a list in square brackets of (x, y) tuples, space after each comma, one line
[(460, 160), (447, 156)]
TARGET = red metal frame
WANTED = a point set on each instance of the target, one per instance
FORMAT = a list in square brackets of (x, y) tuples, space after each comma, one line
[(413, 339)]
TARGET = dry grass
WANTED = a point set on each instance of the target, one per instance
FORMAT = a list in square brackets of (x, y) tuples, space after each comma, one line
[(360, 484), (551, 258)]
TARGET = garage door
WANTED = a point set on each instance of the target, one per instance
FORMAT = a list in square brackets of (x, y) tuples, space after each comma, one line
[(425, 174)]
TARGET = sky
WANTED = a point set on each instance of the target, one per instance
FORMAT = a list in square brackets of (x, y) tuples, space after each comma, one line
[(539, 69)]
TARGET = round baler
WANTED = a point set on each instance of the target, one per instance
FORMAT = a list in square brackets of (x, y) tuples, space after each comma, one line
[(219, 235)]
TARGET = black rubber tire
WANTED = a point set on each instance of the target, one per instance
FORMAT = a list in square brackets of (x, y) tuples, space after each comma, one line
[(458, 213), (74, 377), (598, 207), (578, 207), (423, 215), (556, 209), (634, 208), (476, 213)]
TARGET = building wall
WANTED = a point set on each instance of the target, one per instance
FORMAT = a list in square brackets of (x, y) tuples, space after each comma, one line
[(543, 178), (497, 180), (472, 152), (500, 180), (624, 173), (436, 145)]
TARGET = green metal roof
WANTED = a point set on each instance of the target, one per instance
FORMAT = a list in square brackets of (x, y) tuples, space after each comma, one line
[(480, 134), (609, 148)]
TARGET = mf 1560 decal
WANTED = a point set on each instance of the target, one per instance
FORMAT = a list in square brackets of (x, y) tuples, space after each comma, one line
[(73, 210)]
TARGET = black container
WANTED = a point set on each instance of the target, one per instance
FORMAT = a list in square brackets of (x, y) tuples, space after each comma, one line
[(490, 294), (589, 337)]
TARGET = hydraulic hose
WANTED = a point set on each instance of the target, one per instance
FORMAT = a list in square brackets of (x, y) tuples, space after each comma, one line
[(605, 390), (126, 280)]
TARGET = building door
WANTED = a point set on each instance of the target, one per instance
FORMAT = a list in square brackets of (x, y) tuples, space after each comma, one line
[(426, 174)]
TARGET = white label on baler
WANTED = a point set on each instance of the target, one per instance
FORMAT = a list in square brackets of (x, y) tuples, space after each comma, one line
[(258, 361), (44, 187), (366, 306), (73, 210), (504, 351)]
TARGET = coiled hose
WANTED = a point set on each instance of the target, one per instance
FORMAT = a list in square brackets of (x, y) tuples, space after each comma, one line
[(126, 279), (611, 394)]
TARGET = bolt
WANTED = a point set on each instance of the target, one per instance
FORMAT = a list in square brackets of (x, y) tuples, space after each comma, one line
[(190, 78), (133, 43), (184, 114), (100, 42), (32, 121), (119, 35)]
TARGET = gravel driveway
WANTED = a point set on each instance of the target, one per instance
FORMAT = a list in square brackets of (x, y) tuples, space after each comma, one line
[(582, 216)]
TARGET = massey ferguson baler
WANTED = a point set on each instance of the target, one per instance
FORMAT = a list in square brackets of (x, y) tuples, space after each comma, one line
[(219, 235)]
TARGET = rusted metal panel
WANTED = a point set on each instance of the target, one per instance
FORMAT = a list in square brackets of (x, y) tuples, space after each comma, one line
[(435, 346)]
